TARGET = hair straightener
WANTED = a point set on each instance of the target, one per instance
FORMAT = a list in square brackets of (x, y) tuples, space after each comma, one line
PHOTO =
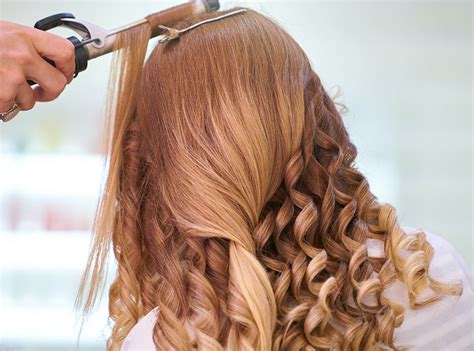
[(95, 41)]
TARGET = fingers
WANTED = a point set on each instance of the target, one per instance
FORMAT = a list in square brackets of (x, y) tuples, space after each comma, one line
[(16, 89), (21, 51), (56, 48), (25, 98), (51, 81), (11, 81)]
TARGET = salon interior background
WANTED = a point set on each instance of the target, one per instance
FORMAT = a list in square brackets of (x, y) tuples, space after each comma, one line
[(405, 70)]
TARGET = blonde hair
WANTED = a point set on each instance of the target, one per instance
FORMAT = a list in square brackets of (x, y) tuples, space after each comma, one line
[(234, 204)]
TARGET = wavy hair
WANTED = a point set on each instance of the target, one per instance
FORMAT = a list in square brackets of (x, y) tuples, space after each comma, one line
[(233, 202)]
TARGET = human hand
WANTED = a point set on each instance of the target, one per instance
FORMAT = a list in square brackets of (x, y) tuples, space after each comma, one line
[(22, 50)]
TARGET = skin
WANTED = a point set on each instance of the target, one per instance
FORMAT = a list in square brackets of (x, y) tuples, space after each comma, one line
[(21, 52)]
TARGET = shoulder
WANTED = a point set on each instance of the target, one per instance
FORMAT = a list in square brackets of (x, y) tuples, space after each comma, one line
[(140, 336), (447, 324), (447, 262)]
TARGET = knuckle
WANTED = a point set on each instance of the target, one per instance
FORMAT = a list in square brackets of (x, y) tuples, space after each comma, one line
[(6, 97), (22, 56), (58, 87), (62, 82), (19, 36), (21, 33), (68, 51), (16, 79), (28, 105)]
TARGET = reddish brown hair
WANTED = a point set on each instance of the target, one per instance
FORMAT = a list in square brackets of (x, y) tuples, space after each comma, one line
[(235, 205)]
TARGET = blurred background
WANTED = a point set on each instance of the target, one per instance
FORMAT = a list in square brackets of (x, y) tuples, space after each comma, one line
[(405, 73)]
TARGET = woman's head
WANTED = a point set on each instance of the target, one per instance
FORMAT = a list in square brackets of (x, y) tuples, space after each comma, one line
[(234, 203), (225, 104)]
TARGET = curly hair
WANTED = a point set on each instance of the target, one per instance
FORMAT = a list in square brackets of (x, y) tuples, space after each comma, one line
[(233, 202)]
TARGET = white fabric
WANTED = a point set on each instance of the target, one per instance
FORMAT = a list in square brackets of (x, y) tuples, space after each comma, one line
[(446, 325)]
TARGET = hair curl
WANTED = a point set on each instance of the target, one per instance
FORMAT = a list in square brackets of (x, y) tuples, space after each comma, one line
[(234, 203)]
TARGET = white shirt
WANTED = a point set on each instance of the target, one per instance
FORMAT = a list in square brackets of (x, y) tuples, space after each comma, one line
[(445, 325)]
